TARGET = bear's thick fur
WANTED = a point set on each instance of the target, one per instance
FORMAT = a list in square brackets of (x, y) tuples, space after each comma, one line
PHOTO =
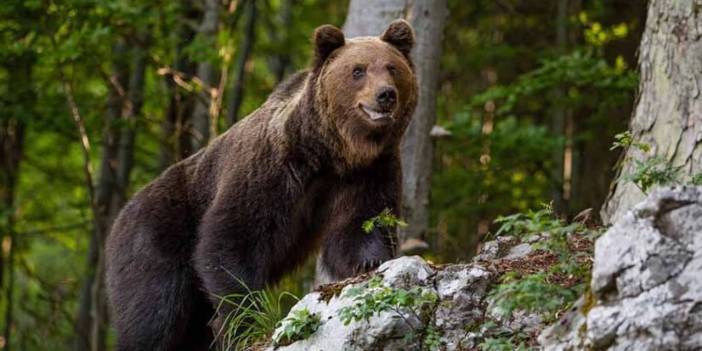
[(306, 169)]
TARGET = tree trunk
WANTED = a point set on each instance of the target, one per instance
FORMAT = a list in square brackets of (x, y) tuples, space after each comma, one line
[(12, 129), (175, 139), (559, 112), (668, 115), (236, 94), (125, 153), (207, 72), (280, 61), (124, 105), (90, 330), (428, 17)]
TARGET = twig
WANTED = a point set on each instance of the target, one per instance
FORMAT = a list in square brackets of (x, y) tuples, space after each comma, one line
[(84, 140)]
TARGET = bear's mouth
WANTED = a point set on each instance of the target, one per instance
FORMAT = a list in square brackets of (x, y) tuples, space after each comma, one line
[(377, 116)]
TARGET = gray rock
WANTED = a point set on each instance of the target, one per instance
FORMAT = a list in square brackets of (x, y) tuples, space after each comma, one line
[(460, 289), (406, 272), (519, 251), (646, 279), (568, 334)]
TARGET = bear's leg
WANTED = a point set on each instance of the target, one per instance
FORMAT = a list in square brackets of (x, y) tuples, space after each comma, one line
[(158, 307), (226, 263), (346, 248)]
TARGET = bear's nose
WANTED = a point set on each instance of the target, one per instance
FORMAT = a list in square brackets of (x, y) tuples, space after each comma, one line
[(386, 98)]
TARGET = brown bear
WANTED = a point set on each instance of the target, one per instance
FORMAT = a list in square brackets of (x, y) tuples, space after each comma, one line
[(305, 170)]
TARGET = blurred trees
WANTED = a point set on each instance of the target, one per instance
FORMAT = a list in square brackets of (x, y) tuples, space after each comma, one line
[(532, 113), (150, 82)]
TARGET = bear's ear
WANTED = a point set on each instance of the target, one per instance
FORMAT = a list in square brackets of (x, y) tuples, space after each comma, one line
[(400, 35), (327, 38)]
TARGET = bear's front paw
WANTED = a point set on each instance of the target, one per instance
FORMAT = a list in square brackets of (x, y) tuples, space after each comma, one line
[(367, 266)]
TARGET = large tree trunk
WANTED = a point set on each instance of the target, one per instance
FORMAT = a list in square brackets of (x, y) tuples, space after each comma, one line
[(668, 115), (428, 17)]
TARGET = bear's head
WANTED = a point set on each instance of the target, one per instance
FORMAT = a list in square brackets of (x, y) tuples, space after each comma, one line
[(365, 89)]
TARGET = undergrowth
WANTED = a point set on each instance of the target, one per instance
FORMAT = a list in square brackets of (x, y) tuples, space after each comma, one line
[(385, 219), (298, 325), (653, 169), (252, 317), (373, 298), (545, 282)]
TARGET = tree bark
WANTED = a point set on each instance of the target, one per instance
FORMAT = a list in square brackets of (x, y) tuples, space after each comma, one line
[(668, 114), (428, 17), (207, 72), (125, 153), (559, 112), (175, 140), (12, 130), (244, 51), (280, 61), (90, 333), (124, 105)]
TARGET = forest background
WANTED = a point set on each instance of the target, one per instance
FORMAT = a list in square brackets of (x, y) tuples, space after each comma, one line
[(97, 97)]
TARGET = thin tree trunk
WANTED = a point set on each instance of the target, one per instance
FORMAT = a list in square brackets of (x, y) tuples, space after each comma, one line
[(428, 17), (559, 112), (12, 131), (125, 153), (207, 72), (175, 140), (668, 114), (12, 141), (236, 94), (280, 61), (90, 329)]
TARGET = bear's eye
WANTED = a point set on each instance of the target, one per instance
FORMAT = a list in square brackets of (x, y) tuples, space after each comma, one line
[(358, 72), (392, 69)]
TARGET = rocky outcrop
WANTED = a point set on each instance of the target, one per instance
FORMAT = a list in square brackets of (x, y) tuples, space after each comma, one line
[(645, 292), (646, 287), (460, 290), (453, 320)]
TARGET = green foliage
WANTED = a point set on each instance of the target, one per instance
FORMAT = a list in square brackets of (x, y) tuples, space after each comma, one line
[(386, 219), (536, 292), (432, 338), (530, 222), (541, 222), (625, 140), (255, 315), (374, 298), (298, 325), (532, 293), (497, 161), (502, 156), (696, 179), (597, 35), (585, 75), (653, 171), (501, 344)]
